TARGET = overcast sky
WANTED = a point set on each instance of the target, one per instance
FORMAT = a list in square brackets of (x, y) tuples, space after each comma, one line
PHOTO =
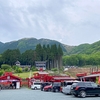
[(71, 22)]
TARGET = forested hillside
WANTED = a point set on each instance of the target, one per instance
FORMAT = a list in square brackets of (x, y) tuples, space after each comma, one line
[(82, 55), (30, 43), (27, 44), (51, 54), (26, 50), (86, 48)]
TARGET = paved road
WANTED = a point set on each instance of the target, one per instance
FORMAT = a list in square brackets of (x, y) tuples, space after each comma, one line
[(28, 94)]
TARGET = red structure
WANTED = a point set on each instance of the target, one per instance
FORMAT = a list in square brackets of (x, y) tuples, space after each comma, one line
[(94, 76), (8, 79), (81, 74), (45, 77), (98, 72)]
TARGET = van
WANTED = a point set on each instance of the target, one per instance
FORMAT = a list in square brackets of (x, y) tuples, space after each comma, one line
[(66, 89), (36, 85)]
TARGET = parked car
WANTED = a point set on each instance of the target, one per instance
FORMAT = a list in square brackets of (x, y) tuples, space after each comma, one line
[(48, 88), (66, 89), (56, 87), (83, 89), (36, 85), (44, 84), (0, 87)]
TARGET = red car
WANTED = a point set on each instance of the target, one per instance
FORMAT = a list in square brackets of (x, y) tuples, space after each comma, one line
[(48, 88)]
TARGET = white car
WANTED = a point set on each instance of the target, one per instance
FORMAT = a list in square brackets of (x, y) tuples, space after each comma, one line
[(36, 85), (66, 89)]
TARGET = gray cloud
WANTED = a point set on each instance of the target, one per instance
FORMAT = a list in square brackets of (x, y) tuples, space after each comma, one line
[(71, 22)]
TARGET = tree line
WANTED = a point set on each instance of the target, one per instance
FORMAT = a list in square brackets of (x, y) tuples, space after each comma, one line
[(82, 59), (53, 54), (50, 53)]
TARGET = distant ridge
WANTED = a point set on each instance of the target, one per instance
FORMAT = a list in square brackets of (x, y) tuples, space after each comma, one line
[(30, 43)]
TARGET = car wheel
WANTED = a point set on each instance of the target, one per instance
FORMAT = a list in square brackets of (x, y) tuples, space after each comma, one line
[(82, 94), (49, 89), (43, 89), (75, 95), (97, 95), (56, 90), (35, 88)]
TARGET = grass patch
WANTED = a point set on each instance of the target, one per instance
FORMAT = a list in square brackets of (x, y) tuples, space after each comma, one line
[(24, 75)]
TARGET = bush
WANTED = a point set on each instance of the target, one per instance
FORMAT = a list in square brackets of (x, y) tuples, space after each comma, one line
[(19, 70), (26, 69), (1, 72), (15, 67), (54, 69), (5, 67), (33, 68)]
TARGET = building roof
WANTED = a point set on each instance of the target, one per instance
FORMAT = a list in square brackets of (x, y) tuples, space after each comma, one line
[(92, 75), (9, 76), (63, 78), (17, 62)]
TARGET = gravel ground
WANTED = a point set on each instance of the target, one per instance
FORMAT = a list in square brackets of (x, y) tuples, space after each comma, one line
[(28, 94)]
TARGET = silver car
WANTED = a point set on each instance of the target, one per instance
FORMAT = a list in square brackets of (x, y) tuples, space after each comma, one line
[(66, 89)]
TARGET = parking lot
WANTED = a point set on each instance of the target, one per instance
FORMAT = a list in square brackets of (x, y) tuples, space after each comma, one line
[(28, 94)]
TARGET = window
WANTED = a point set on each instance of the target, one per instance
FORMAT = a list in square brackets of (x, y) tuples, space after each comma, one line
[(69, 83), (37, 83), (88, 85), (57, 84), (74, 85), (94, 84)]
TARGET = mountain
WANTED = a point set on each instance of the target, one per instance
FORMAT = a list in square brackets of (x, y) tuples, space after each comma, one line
[(1, 44), (79, 49), (28, 43), (86, 48)]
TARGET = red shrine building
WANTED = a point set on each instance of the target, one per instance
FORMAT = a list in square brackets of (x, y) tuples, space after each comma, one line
[(8, 79)]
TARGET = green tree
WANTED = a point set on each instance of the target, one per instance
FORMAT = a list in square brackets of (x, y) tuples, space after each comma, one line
[(19, 70), (48, 50), (11, 56), (33, 68), (26, 69), (44, 53), (39, 52), (59, 56), (28, 58), (1, 72), (5, 67)]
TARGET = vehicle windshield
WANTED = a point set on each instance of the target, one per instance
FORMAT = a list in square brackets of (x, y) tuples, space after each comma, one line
[(74, 84), (94, 85), (56, 83)]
